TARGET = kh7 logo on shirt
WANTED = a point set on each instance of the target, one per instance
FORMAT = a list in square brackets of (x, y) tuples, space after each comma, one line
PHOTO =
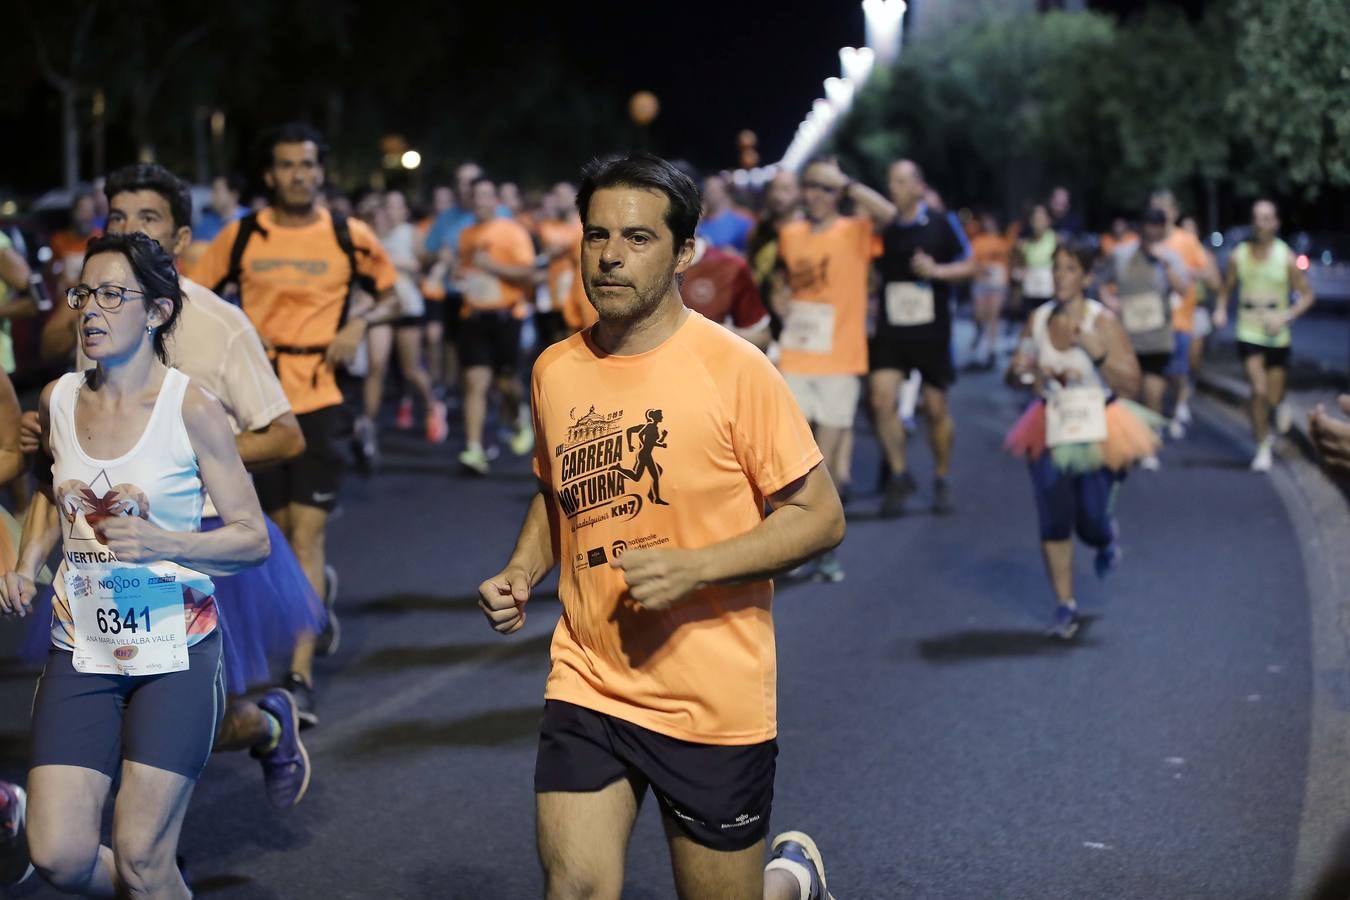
[(594, 479)]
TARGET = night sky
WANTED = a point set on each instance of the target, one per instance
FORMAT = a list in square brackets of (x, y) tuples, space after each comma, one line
[(721, 65), (454, 75)]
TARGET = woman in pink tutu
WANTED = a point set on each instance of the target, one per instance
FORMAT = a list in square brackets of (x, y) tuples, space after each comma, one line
[(1080, 436)]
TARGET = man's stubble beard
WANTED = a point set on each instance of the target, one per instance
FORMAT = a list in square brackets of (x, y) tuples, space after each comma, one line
[(643, 303)]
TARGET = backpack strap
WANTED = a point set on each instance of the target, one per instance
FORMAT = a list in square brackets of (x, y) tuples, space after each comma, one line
[(343, 232), (248, 226)]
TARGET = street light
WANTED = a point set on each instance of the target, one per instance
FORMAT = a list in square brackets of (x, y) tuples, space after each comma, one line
[(411, 159), (883, 27), (840, 93), (856, 63)]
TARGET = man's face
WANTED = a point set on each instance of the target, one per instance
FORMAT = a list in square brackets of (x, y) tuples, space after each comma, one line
[(715, 195), (1040, 220), (565, 196), (82, 214), (905, 185), (1167, 203), (628, 256), (821, 198), (1265, 221), (295, 175), (782, 196), (509, 194), (396, 207), (223, 200), (1059, 201), (1154, 232), (483, 201), (464, 178), (443, 198), (147, 212)]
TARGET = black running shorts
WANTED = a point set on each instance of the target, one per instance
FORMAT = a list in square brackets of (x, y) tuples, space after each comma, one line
[(932, 360), (1275, 357), (312, 478), (719, 797), (492, 340), (95, 721), (1154, 363)]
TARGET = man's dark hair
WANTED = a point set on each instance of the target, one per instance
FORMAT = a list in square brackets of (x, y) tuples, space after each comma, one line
[(291, 133), (646, 171), (153, 177), (154, 269)]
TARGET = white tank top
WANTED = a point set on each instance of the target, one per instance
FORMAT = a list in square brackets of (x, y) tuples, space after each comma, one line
[(1075, 360), (157, 479)]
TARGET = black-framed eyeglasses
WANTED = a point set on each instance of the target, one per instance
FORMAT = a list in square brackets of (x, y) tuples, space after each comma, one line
[(107, 296)]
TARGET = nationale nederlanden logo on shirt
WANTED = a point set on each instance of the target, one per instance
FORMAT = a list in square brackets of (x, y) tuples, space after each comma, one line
[(604, 463)]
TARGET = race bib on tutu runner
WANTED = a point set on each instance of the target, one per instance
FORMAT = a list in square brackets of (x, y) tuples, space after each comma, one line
[(1075, 415), (1038, 283), (909, 304), (128, 620), (1143, 312), (809, 327)]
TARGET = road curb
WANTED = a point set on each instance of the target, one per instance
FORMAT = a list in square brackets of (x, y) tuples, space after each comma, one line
[(1321, 520)]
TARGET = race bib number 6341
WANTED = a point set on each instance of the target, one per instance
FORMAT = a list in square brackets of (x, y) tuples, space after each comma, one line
[(128, 620)]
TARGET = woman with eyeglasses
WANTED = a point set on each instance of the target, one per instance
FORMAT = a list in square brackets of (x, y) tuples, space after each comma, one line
[(133, 685)]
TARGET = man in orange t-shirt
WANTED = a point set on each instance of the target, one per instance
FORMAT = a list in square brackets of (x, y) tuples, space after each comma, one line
[(496, 258), (294, 284), (821, 294), (661, 438), (1202, 271)]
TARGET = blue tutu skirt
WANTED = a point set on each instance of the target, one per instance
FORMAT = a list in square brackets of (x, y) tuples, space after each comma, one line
[(262, 611)]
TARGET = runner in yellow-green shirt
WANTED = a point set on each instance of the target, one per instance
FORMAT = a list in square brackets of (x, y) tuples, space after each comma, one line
[(1272, 293)]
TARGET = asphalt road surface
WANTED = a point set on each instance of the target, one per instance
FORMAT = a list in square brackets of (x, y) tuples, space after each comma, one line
[(933, 742)]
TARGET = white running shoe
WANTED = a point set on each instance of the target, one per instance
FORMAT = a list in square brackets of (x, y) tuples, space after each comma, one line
[(1150, 464), (1183, 414), (1176, 429), (1263, 459)]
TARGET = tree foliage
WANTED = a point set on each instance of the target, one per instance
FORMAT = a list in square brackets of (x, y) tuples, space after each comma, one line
[(1253, 96), (1291, 104)]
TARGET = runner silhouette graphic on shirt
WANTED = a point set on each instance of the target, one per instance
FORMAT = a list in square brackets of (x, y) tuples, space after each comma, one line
[(652, 436)]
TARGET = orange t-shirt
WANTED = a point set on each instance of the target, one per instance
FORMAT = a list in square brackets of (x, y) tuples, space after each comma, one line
[(1192, 253), (293, 286), (675, 448), (828, 269), (507, 243), (1110, 242), (565, 270), (992, 254)]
